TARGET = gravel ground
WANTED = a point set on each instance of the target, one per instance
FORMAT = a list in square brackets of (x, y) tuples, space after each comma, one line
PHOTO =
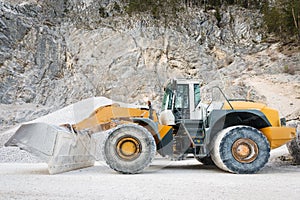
[(164, 179)]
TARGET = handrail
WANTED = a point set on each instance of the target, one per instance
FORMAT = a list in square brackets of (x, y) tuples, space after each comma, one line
[(224, 96)]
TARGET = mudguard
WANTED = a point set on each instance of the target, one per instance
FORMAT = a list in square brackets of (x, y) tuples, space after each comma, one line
[(220, 119)]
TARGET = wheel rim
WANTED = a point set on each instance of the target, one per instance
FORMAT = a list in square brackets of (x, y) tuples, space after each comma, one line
[(128, 148), (244, 150)]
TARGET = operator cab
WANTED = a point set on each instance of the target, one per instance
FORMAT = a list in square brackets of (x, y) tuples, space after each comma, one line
[(181, 101)]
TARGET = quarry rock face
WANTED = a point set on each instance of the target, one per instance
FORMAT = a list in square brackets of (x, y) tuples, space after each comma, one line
[(54, 53)]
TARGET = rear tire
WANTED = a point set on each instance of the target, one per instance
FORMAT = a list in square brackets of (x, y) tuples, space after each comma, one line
[(240, 150), (129, 149)]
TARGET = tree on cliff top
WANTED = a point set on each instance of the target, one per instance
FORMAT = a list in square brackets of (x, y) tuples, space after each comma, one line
[(282, 17)]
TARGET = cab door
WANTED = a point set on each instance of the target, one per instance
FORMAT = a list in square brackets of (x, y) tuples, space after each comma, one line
[(182, 106)]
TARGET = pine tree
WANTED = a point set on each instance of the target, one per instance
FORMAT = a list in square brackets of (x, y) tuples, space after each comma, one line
[(282, 17)]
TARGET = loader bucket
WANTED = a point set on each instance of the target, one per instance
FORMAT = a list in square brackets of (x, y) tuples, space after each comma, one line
[(61, 148)]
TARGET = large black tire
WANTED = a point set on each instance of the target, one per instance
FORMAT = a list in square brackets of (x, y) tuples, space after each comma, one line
[(240, 150), (129, 149)]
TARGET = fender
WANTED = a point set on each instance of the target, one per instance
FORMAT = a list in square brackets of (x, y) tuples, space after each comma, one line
[(220, 119), (164, 145), (150, 125)]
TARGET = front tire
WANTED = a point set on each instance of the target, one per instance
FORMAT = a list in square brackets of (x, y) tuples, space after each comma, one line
[(129, 149), (240, 150)]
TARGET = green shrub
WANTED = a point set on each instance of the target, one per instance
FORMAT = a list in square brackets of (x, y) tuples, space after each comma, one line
[(289, 70), (283, 18), (158, 9)]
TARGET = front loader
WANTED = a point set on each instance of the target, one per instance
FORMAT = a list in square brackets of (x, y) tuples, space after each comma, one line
[(235, 135)]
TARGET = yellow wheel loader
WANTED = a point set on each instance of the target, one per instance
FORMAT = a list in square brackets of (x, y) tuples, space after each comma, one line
[(235, 135)]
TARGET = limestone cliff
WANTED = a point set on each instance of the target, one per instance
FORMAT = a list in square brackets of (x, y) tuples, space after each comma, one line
[(54, 53)]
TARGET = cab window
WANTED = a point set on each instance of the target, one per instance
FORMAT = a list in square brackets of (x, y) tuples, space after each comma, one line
[(197, 97), (182, 96)]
